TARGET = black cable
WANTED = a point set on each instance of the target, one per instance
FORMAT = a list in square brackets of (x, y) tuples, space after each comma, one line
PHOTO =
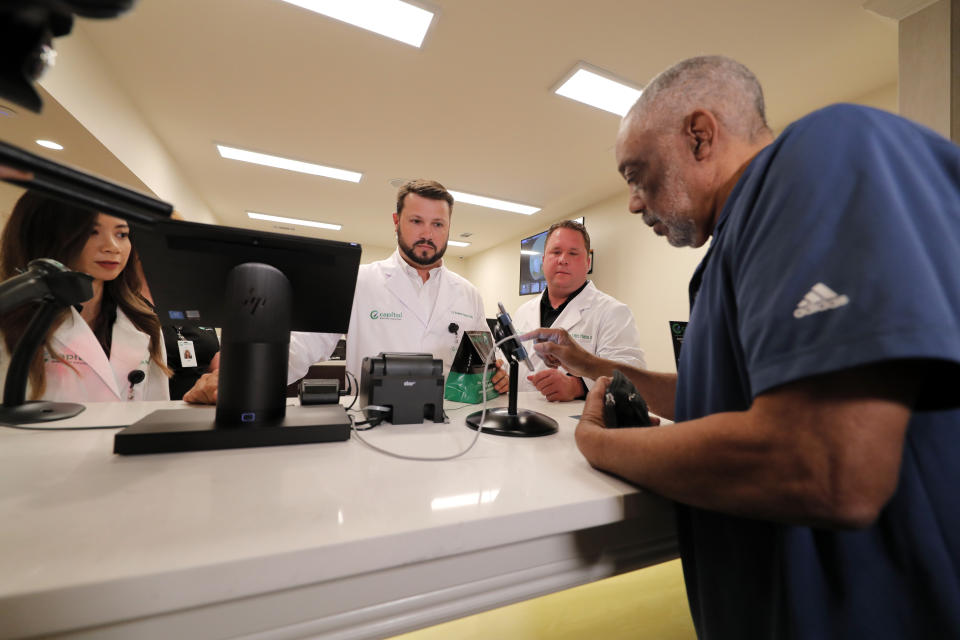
[(476, 435), (356, 393), (372, 422)]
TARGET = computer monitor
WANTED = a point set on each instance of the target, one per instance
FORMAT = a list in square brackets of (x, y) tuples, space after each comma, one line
[(187, 263), (257, 286), (532, 279)]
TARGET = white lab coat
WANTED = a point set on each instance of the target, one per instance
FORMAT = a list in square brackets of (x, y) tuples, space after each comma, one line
[(93, 377), (600, 323), (386, 317)]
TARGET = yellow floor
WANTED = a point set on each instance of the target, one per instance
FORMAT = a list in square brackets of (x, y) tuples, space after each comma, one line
[(649, 603)]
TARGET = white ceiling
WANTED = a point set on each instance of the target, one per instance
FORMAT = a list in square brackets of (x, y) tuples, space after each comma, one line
[(473, 108)]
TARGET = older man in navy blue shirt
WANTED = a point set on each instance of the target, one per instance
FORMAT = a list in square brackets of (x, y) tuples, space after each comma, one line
[(816, 456)]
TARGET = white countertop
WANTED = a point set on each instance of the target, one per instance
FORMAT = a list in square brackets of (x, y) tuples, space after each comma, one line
[(92, 538)]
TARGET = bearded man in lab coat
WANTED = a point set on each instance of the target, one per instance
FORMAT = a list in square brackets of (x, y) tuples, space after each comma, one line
[(408, 302), (600, 323)]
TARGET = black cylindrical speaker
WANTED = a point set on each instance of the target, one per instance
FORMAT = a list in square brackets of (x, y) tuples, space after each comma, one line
[(254, 347)]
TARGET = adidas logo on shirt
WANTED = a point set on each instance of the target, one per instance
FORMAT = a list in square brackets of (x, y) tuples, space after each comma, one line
[(819, 298)]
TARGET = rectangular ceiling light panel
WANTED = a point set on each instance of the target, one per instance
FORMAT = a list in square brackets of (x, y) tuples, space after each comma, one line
[(493, 203), (303, 223), (288, 164), (590, 87), (457, 243), (392, 18)]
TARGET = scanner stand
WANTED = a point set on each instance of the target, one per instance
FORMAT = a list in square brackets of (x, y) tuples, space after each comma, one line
[(55, 287), (15, 410), (510, 421)]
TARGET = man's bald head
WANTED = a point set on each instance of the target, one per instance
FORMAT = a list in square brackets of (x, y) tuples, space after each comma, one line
[(684, 143), (720, 85)]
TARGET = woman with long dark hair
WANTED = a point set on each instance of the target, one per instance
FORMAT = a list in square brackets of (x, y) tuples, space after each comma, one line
[(107, 349)]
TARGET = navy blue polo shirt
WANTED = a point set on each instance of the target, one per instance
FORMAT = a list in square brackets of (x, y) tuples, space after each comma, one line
[(838, 247)]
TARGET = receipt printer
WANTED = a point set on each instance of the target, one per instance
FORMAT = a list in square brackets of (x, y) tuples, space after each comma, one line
[(410, 385)]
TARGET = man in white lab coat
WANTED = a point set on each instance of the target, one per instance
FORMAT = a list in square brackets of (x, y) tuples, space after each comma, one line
[(408, 302), (600, 323)]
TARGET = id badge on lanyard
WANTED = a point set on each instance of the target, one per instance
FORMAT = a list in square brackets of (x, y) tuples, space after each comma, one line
[(188, 355)]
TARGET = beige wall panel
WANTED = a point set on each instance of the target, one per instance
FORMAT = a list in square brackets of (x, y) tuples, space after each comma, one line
[(925, 66)]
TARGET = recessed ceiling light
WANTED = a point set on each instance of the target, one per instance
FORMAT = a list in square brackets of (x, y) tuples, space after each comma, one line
[(50, 144), (392, 18), (592, 86), (493, 203), (457, 243), (303, 223), (285, 163)]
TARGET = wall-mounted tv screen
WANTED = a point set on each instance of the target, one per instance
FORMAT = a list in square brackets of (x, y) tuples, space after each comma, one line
[(532, 279)]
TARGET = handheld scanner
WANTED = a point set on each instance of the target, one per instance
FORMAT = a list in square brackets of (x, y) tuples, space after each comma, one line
[(504, 319)]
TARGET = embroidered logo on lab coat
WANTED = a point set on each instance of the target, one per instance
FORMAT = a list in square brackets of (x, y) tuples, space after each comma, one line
[(69, 357), (386, 315)]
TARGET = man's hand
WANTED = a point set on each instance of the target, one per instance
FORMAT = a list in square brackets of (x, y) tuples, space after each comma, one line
[(205, 391), (822, 451), (557, 348), (500, 379), (557, 386), (214, 362), (591, 427)]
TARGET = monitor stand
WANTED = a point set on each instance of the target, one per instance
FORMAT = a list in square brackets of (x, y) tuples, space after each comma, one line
[(196, 429), (251, 400)]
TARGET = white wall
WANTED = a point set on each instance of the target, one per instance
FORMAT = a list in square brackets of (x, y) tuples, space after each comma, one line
[(631, 263), (80, 83), (372, 254)]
